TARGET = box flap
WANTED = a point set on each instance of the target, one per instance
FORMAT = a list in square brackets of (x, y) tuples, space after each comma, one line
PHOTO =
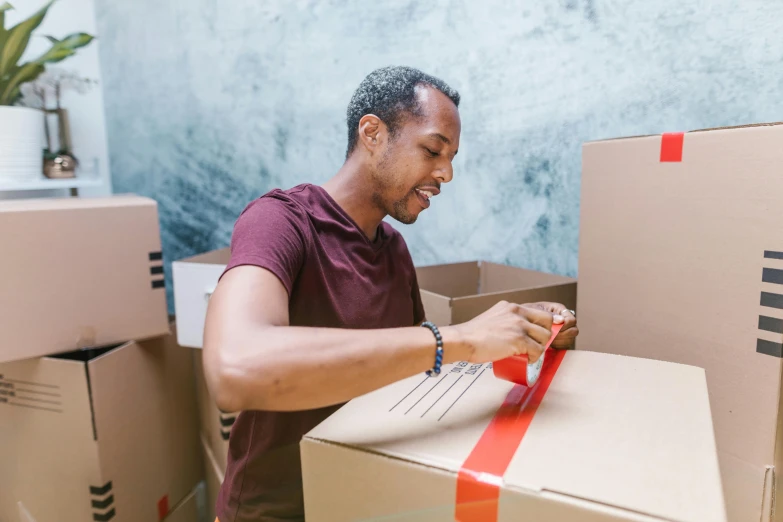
[(449, 280), (501, 278), (146, 419), (47, 448), (43, 204), (625, 432), (213, 257)]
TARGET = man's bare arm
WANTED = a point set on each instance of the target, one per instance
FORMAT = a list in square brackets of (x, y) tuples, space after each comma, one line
[(255, 360)]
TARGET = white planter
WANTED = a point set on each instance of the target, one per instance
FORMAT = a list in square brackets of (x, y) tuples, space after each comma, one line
[(21, 144)]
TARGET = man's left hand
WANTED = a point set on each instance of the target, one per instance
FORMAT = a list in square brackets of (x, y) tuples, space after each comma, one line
[(567, 336)]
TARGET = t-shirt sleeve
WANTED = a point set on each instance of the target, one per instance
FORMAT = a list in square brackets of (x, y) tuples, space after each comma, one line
[(418, 306), (269, 234)]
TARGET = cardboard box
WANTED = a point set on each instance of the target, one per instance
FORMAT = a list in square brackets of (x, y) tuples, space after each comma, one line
[(601, 438), (688, 253), (214, 478), (455, 293), (195, 279), (100, 434), (215, 424), (79, 272)]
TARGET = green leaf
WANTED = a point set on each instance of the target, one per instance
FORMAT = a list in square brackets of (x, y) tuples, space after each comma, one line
[(18, 37), (65, 47), (26, 73), (51, 38), (3, 8)]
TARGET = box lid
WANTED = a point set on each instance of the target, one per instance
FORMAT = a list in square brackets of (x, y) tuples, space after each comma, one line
[(630, 433), (42, 204)]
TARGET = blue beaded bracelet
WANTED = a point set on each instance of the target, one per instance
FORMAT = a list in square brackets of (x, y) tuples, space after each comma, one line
[(438, 350)]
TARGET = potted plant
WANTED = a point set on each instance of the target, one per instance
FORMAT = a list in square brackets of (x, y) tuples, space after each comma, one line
[(21, 128)]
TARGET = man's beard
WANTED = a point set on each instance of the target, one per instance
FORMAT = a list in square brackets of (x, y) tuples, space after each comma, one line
[(385, 180)]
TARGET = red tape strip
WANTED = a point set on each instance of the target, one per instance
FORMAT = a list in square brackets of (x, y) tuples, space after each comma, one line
[(515, 368), (671, 146), (163, 507), (481, 476)]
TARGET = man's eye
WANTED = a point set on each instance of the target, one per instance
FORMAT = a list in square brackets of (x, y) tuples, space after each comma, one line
[(431, 153)]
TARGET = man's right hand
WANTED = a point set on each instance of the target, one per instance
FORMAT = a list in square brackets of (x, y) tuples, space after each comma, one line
[(504, 330)]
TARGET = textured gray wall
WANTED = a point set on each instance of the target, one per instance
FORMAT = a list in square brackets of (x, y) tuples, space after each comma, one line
[(211, 103)]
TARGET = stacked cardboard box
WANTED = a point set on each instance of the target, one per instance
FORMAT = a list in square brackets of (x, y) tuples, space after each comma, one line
[(681, 259), (97, 411)]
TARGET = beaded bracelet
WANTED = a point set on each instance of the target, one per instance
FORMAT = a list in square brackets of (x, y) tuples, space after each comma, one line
[(438, 350)]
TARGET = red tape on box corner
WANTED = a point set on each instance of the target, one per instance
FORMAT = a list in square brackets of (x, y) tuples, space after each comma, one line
[(481, 476), (671, 147), (163, 507)]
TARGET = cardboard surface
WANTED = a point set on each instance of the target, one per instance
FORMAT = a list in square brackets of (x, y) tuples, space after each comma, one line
[(614, 438), (687, 251), (86, 268), (214, 478), (455, 293), (186, 510), (215, 424), (195, 279), (109, 433)]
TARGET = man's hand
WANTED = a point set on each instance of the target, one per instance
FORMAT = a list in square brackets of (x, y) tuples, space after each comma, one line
[(567, 336), (504, 330)]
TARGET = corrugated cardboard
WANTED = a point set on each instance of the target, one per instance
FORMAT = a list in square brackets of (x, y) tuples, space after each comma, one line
[(614, 438), (215, 475), (455, 293), (186, 510), (100, 434), (195, 279), (215, 424), (687, 255), (79, 272)]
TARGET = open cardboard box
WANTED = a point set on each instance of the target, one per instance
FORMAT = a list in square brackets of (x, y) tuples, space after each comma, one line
[(100, 434), (598, 438), (457, 292)]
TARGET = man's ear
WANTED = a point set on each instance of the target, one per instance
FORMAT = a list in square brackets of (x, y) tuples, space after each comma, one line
[(372, 132)]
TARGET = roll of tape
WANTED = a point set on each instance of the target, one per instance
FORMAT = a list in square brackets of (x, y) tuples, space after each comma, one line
[(518, 370)]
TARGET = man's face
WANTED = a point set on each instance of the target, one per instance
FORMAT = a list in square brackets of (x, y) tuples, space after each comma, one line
[(418, 159)]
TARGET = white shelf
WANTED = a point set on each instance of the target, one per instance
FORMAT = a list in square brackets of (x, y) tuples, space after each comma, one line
[(49, 184)]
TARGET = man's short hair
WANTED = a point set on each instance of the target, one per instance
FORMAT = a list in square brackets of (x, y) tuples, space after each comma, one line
[(390, 94)]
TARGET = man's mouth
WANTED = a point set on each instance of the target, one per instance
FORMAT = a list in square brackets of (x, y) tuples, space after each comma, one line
[(425, 194)]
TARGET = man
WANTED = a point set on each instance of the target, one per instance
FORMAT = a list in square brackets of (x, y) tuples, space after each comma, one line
[(319, 302)]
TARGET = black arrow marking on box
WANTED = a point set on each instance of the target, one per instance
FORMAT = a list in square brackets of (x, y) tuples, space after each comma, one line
[(105, 517), (101, 490), (103, 504)]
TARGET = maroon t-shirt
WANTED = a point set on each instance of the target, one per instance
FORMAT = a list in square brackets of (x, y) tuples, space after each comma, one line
[(336, 277)]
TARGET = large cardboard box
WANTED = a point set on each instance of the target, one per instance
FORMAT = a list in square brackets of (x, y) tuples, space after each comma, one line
[(100, 434), (215, 424), (195, 278), (599, 438), (79, 272), (682, 240), (457, 292)]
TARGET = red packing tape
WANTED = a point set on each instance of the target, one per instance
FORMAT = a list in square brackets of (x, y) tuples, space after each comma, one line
[(481, 476), (516, 368), (671, 146)]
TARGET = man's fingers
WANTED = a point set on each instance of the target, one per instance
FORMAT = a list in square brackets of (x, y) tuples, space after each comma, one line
[(539, 334), (534, 351), (536, 316)]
